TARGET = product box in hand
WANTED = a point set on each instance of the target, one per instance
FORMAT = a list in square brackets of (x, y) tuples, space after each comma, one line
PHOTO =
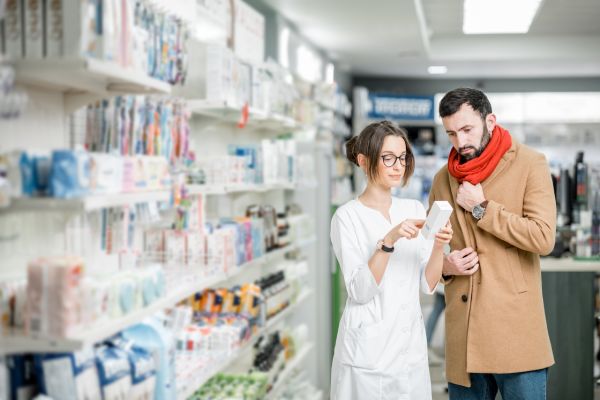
[(436, 219)]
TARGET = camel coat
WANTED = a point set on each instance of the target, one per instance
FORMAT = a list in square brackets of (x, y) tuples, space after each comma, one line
[(495, 320)]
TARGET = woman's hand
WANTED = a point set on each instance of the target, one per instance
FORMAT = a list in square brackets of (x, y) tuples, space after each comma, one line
[(408, 229), (443, 236)]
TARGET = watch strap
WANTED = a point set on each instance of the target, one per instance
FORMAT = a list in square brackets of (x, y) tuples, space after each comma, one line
[(384, 248)]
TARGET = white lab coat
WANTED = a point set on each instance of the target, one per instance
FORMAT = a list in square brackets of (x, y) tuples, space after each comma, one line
[(381, 349)]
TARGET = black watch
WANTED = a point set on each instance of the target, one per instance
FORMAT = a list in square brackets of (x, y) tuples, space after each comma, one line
[(381, 246)]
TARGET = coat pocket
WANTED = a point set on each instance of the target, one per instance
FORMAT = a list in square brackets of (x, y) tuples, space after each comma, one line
[(514, 264), (363, 345)]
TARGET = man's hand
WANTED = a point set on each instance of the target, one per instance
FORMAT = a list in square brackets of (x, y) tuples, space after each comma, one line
[(469, 195), (461, 262)]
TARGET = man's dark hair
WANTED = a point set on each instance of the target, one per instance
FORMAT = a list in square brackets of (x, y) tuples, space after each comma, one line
[(454, 99)]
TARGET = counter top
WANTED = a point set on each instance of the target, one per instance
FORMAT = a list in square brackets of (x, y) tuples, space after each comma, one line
[(550, 264)]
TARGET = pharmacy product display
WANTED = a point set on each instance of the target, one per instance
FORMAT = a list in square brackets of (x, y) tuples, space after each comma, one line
[(165, 356), (132, 34)]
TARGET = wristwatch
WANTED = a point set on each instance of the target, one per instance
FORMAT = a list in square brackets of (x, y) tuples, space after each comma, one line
[(479, 210), (383, 247)]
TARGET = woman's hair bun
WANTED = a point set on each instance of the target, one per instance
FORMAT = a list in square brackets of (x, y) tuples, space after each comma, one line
[(352, 150)]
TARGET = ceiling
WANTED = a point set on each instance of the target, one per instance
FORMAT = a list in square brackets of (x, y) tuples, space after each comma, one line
[(401, 38)]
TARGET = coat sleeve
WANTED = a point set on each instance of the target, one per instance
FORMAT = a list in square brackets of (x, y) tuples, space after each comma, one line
[(534, 231), (360, 282)]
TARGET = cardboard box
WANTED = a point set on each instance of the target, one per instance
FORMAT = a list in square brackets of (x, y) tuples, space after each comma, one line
[(436, 219)]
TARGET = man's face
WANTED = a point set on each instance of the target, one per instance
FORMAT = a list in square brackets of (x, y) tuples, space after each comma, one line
[(468, 134)]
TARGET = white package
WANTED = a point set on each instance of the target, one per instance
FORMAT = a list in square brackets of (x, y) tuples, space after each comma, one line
[(34, 32), (436, 219)]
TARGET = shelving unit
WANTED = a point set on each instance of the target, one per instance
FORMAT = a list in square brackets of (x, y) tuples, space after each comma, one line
[(286, 373), (257, 119), (87, 203), (243, 351), (17, 342), (86, 79), (241, 188)]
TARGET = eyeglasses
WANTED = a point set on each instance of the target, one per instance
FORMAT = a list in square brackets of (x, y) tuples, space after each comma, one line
[(389, 160)]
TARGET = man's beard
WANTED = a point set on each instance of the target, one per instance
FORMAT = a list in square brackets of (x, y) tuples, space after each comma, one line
[(485, 139)]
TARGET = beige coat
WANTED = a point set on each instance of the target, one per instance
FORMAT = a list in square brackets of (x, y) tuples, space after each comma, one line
[(495, 320)]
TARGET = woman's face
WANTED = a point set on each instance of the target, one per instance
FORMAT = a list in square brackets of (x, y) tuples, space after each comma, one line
[(390, 168)]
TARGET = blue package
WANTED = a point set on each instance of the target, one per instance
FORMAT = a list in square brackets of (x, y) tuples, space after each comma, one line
[(69, 376), (143, 373), (127, 296), (114, 372), (21, 377), (148, 290), (41, 174), (70, 174), (156, 339), (27, 174)]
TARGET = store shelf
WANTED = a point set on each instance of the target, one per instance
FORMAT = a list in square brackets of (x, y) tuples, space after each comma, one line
[(236, 189), (87, 203), (287, 372), (84, 79), (257, 119), (243, 351), (18, 342)]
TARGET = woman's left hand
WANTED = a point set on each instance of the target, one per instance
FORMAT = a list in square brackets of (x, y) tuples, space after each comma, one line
[(444, 235)]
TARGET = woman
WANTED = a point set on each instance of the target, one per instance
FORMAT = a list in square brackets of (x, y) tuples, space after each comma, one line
[(381, 350)]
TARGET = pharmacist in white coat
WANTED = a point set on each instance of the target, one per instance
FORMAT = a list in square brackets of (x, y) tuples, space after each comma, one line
[(381, 349)]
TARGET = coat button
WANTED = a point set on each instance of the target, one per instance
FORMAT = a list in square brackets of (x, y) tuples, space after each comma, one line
[(464, 298)]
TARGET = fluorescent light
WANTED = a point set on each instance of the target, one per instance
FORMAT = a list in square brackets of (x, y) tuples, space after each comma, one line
[(437, 69), (498, 16)]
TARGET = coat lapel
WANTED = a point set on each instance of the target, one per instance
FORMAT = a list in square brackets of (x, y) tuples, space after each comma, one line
[(504, 162)]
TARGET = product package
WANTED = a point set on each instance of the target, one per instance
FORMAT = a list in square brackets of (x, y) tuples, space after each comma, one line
[(436, 219), (71, 376), (21, 377), (114, 372), (34, 32), (53, 296), (70, 174)]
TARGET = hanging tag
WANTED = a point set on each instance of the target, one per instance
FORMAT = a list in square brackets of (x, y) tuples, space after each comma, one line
[(244, 117)]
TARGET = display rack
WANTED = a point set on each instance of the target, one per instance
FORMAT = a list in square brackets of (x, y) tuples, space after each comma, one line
[(287, 372), (18, 342), (246, 348)]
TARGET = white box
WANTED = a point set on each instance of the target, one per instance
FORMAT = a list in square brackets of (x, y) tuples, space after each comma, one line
[(34, 29), (72, 28), (249, 34), (13, 29), (438, 216), (210, 74)]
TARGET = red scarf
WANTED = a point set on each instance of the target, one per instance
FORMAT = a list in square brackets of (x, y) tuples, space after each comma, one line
[(480, 168)]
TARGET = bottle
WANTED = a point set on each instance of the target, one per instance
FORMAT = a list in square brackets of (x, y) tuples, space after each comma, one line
[(581, 187)]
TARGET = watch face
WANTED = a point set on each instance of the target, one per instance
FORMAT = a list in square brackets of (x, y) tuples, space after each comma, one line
[(478, 211)]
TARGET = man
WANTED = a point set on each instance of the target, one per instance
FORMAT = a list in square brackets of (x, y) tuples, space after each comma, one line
[(504, 218)]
